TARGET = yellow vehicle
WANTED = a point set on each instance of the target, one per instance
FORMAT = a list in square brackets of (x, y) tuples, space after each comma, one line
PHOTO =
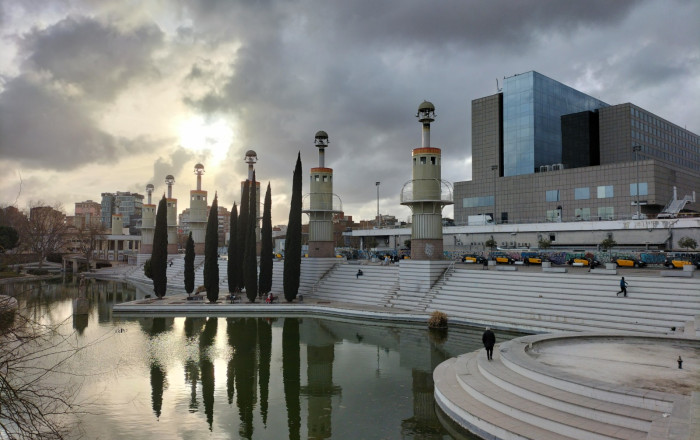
[(502, 258), (583, 262), (629, 262), (679, 262), (534, 259)]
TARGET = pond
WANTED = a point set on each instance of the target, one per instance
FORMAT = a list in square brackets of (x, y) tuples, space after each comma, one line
[(255, 377)]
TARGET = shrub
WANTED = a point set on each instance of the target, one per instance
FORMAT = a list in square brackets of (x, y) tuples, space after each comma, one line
[(437, 319)]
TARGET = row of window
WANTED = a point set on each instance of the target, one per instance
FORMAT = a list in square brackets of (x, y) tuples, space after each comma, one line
[(685, 161), (424, 160), (652, 120), (602, 192), (583, 214), (326, 178)]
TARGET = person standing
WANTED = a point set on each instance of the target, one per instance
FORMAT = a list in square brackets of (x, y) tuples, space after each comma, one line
[(489, 340), (623, 287)]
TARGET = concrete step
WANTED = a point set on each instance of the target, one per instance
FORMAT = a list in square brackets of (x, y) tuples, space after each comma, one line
[(541, 393), (481, 419), (555, 420)]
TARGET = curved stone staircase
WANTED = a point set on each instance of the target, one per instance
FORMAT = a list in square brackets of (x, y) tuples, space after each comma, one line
[(515, 396)]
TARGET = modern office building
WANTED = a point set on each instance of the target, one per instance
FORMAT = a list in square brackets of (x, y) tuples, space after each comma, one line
[(544, 152), (128, 204)]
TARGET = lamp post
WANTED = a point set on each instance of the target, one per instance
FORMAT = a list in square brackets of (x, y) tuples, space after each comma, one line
[(378, 221), (494, 168), (636, 149)]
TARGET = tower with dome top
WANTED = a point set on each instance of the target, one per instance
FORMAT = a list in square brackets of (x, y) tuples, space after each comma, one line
[(198, 212)]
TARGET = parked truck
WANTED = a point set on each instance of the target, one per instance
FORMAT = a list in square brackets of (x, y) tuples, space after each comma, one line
[(479, 220)]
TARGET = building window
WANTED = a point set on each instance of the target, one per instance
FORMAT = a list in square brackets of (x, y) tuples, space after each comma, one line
[(553, 215), (423, 160), (606, 213), (316, 177), (472, 202), (643, 189), (325, 178), (605, 192), (552, 195), (433, 160), (583, 214), (582, 193)]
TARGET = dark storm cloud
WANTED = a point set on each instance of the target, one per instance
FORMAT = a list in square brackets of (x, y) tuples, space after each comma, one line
[(98, 59), (44, 129), (71, 69)]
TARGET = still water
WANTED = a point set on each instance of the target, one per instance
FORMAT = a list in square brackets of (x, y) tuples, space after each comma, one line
[(253, 378)]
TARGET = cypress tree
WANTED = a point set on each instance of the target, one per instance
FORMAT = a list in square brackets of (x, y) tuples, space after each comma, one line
[(233, 269), (189, 264), (265, 284), (250, 261), (292, 248), (159, 255), (211, 257), (243, 230)]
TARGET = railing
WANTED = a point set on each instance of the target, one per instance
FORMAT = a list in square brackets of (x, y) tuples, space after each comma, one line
[(445, 188)]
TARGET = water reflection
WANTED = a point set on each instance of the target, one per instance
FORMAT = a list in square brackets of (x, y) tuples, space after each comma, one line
[(359, 380)]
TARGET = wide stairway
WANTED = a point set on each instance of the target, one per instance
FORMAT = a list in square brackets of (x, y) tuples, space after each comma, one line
[(546, 302), (372, 288), (514, 396)]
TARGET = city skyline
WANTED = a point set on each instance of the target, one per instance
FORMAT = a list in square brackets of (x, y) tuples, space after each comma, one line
[(110, 97)]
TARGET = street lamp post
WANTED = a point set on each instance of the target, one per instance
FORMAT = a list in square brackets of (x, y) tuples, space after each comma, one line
[(378, 222), (494, 168), (636, 149)]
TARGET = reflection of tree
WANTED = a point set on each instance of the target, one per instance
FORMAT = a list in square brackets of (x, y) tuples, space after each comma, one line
[(230, 368), (265, 341), (291, 375), (192, 328), (157, 386), (244, 340), (192, 376), (80, 323), (206, 366)]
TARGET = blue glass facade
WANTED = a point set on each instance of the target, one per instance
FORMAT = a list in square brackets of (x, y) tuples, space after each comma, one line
[(532, 108)]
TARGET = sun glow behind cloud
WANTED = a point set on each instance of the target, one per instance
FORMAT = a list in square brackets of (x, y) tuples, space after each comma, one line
[(210, 138)]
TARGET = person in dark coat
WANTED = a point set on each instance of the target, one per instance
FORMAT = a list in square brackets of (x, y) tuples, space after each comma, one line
[(623, 287), (489, 340)]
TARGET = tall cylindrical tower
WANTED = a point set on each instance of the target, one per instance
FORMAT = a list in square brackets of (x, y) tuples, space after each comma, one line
[(148, 222), (321, 244), (172, 216), (198, 212), (424, 194), (251, 158)]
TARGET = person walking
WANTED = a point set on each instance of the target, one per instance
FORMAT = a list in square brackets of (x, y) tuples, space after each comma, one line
[(489, 340), (623, 287)]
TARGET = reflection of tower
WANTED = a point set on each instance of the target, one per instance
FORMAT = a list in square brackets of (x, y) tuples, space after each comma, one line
[(172, 216), (148, 223), (319, 391), (251, 158), (198, 212), (320, 209), (425, 199)]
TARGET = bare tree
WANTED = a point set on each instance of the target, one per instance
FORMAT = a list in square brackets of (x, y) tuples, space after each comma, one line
[(45, 231), (88, 236), (34, 403)]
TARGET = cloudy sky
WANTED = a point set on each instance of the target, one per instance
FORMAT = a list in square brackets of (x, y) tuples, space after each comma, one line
[(110, 95)]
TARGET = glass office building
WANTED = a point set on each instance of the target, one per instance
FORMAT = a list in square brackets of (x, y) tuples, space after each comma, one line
[(532, 109)]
